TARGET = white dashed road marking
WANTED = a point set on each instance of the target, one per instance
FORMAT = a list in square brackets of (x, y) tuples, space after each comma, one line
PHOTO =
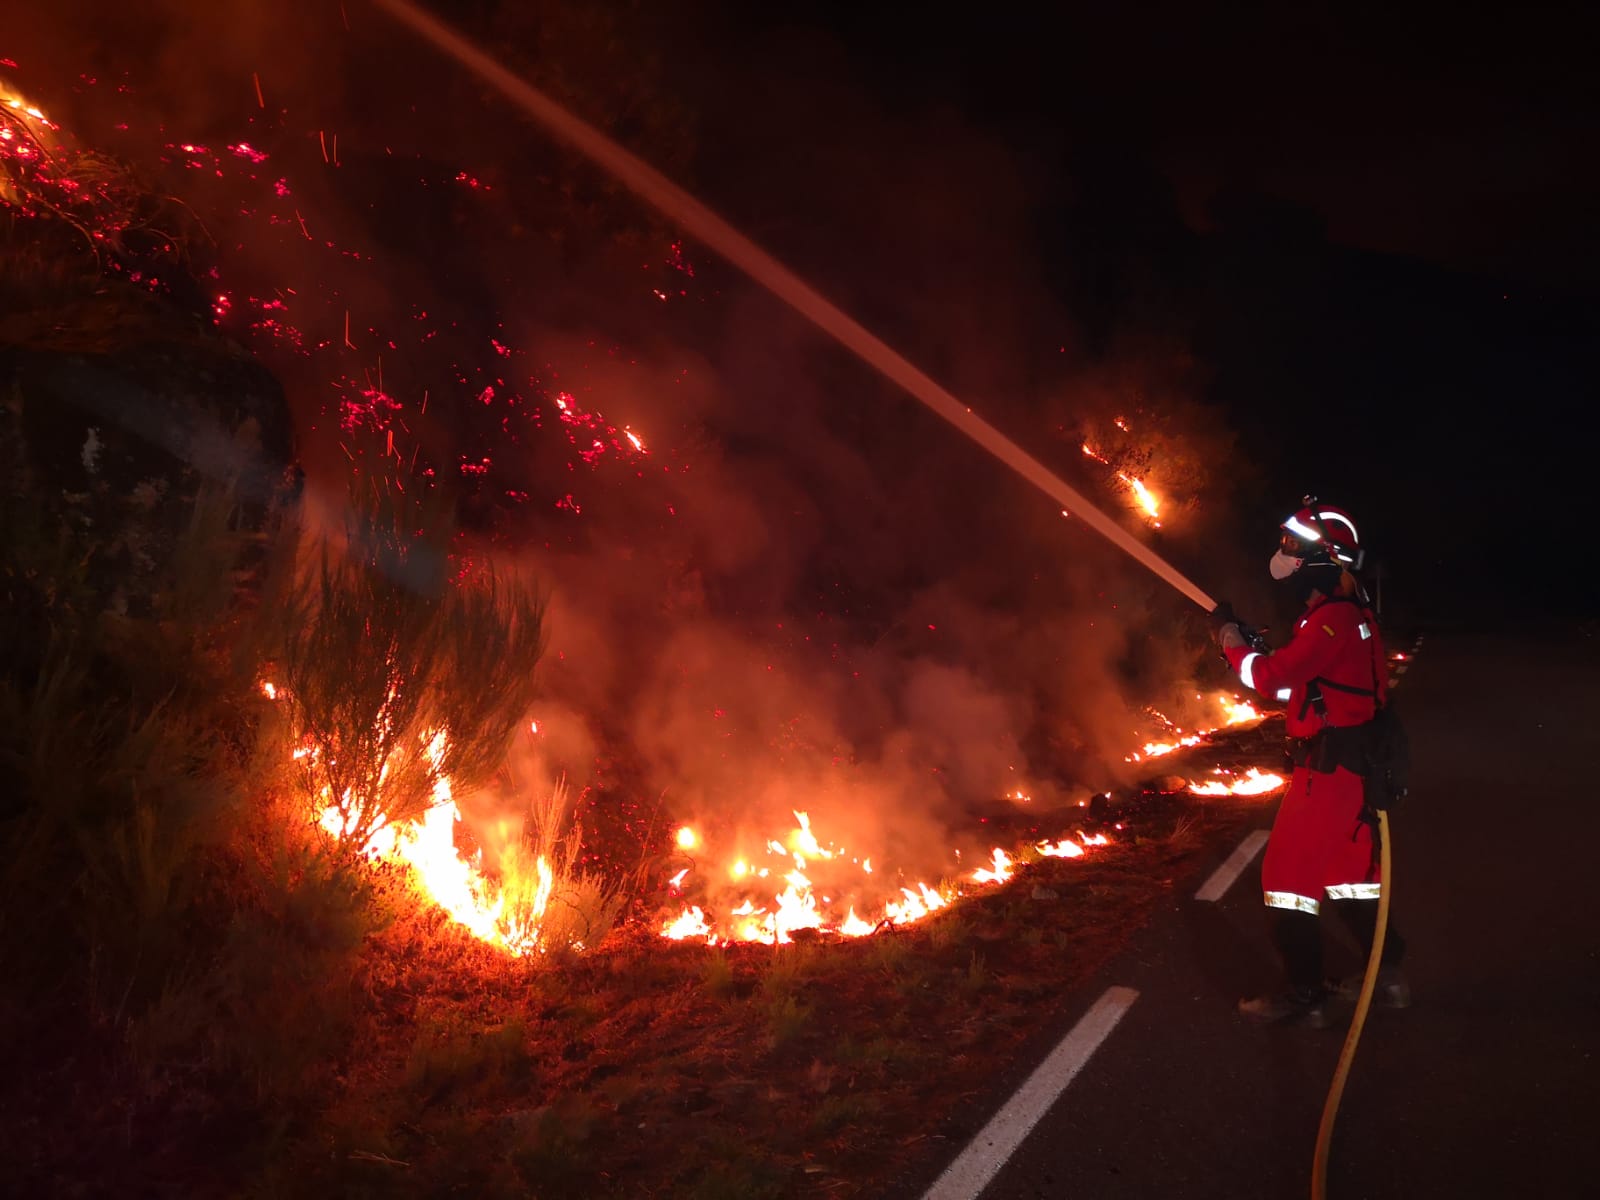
[(966, 1178), (1223, 877)]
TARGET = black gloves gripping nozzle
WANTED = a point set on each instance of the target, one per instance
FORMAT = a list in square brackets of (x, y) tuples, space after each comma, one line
[(1222, 618)]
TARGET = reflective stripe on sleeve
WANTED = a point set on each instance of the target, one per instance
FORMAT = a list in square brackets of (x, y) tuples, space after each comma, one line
[(1285, 693), (1354, 891), (1247, 669), (1305, 904), (1365, 631)]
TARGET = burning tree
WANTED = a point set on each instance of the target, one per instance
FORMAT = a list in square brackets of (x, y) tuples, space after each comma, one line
[(403, 674)]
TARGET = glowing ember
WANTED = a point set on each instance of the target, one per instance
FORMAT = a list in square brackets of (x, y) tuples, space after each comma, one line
[(686, 838), (1254, 782)]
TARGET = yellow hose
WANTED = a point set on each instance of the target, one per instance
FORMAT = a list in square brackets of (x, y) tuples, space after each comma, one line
[(1330, 1107)]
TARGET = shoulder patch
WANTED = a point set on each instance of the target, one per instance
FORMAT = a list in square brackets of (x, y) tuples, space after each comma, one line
[(1328, 629)]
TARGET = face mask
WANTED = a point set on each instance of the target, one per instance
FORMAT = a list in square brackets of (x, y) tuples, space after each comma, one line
[(1282, 566)]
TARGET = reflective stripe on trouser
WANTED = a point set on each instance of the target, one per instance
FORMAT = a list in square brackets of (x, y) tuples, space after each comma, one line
[(1289, 900), (1310, 904), (1354, 891), (1319, 846)]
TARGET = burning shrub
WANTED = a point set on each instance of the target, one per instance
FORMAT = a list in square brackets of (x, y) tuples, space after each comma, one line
[(401, 681)]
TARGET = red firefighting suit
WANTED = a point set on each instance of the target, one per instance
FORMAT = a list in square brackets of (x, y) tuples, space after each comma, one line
[(1332, 676)]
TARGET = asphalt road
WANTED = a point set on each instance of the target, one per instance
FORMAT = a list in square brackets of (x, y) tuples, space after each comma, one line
[(1487, 1086)]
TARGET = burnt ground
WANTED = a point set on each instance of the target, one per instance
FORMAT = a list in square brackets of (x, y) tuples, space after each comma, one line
[(1485, 1087)]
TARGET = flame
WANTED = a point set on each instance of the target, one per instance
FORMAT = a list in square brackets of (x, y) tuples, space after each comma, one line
[(1146, 498), (1157, 749), (999, 873), (1239, 711), (691, 923), (427, 847), (20, 105), (687, 839), (796, 907), (1065, 848), (1254, 782), (456, 885), (1235, 712), (801, 905)]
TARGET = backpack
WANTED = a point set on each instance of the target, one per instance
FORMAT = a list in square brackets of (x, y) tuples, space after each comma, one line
[(1385, 759)]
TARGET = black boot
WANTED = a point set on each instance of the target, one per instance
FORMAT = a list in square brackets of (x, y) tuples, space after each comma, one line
[(1317, 1007), (1306, 1000), (1393, 989)]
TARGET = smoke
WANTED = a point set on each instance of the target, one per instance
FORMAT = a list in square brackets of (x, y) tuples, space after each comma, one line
[(805, 594)]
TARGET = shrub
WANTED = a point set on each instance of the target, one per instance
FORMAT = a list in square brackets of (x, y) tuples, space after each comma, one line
[(400, 674)]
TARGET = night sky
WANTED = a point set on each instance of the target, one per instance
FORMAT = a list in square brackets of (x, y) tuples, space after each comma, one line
[(1380, 224)]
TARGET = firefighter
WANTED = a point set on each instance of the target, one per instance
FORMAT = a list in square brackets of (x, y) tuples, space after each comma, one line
[(1332, 677)]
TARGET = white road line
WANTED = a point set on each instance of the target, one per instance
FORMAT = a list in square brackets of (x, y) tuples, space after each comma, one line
[(966, 1178), (1222, 878)]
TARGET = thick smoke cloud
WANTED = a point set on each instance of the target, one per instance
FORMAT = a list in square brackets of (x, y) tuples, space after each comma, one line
[(808, 595)]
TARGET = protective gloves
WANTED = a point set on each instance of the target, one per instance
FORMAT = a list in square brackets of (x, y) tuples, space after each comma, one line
[(1222, 619), (1229, 631)]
